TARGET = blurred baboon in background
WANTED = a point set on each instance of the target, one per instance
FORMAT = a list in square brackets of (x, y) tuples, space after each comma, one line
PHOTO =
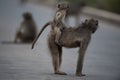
[(27, 31)]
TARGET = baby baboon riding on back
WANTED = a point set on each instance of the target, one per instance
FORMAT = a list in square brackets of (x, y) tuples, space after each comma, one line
[(58, 22), (71, 37), (57, 25)]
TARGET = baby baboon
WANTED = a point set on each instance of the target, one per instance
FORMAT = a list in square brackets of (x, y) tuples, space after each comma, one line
[(57, 25), (27, 31), (58, 22), (71, 38)]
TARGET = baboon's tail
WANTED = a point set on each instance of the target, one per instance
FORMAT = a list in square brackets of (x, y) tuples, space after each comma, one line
[(48, 23)]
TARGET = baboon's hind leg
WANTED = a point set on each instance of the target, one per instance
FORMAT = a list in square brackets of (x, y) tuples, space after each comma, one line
[(54, 50)]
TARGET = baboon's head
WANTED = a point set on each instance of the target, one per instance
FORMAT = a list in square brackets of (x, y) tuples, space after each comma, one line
[(27, 16), (61, 12), (63, 5), (91, 24)]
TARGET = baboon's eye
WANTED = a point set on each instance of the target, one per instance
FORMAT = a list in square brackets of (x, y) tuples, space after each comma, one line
[(58, 5)]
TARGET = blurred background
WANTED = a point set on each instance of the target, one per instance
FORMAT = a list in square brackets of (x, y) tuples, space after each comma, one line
[(109, 5), (19, 62)]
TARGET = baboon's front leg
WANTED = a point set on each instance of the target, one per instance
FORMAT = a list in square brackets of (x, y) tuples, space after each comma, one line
[(82, 51), (54, 50)]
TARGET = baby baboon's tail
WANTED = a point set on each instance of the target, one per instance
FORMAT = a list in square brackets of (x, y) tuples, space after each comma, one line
[(48, 23)]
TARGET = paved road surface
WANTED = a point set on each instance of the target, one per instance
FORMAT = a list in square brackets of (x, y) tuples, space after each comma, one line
[(19, 62)]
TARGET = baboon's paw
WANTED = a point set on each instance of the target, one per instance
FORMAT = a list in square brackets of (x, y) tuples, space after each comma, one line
[(80, 75), (60, 73)]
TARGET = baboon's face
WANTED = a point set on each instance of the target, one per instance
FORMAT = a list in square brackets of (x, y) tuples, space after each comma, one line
[(60, 15), (93, 24)]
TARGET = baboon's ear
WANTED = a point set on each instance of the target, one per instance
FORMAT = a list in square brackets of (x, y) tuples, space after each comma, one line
[(86, 20), (96, 22), (68, 6), (58, 5)]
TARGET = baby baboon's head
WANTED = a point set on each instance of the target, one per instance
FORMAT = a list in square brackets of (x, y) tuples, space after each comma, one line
[(27, 16), (91, 24), (63, 5), (61, 12)]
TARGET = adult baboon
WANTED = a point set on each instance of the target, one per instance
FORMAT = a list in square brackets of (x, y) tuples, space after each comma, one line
[(27, 31), (71, 38)]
